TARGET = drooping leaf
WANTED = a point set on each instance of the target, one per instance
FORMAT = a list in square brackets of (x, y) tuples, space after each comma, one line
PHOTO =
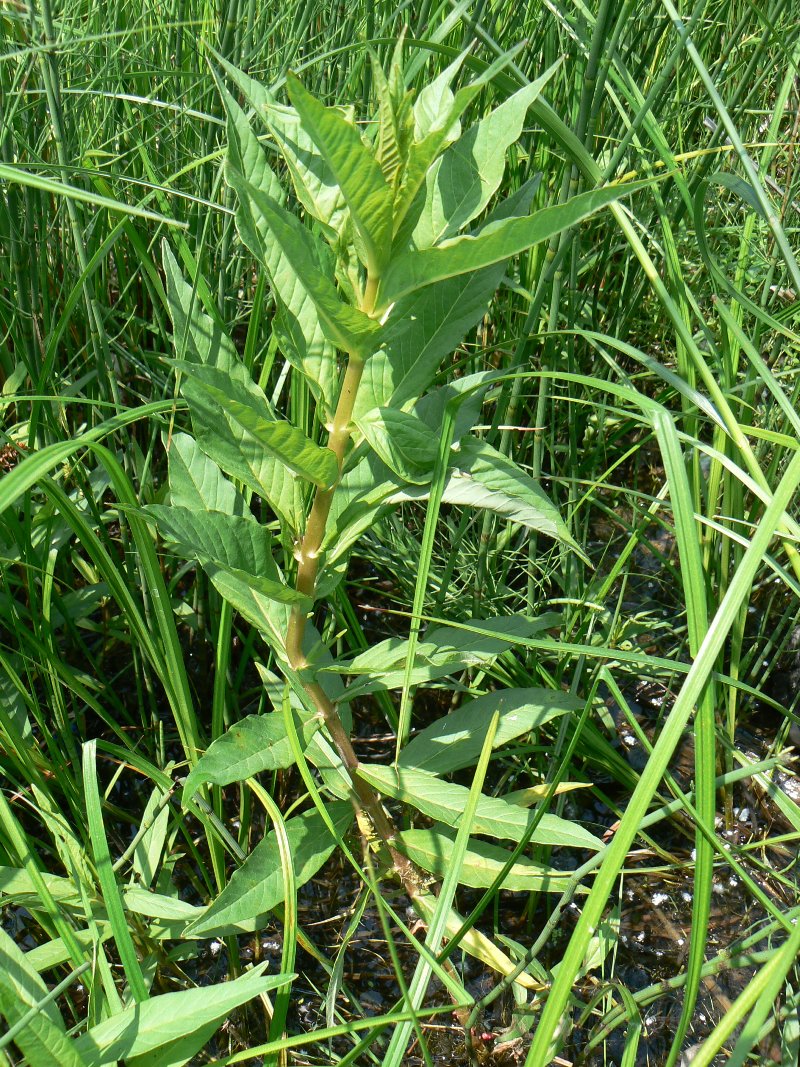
[(474, 943), (355, 169), (432, 850), (254, 744), (251, 418), (141, 1029), (232, 540), (196, 482), (464, 178), (495, 816), (496, 243), (199, 339), (454, 741), (443, 651), (257, 887)]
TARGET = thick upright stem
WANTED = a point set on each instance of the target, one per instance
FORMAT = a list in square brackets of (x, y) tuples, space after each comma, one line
[(308, 556)]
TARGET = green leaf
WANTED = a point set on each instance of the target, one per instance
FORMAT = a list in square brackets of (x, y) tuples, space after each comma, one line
[(494, 816), (252, 420), (427, 325), (463, 179), (141, 1029), (486, 478), (42, 1039), (196, 482), (256, 888), (232, 540), (356, 171), (303, 339), (403, 442), (496, 243), (346, 327), (454, 741), (445, 650), (432, 850), (199, 339), (254, 744)]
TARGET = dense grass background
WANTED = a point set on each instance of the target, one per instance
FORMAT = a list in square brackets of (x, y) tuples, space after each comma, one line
[(686, 299)]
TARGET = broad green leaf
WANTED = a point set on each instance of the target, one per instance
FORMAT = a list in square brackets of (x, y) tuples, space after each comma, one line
[(302, 338), (254, 744), (256, 888), (196, 482), (251, 418), (474, 943), (262, 603), (313, 181), (496, 243), (463, 179), (429, 324), (444, 651), (160, 906), (454, 741), (404, 443), (482, 477), (234, 541), (345, 327), (141, 1029), (16, 886), (43, 1040), (395, 122), (355, 169), (198, 338), (432, 850), (494, 817)]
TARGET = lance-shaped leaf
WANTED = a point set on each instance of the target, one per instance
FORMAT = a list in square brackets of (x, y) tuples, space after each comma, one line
[(494, 816), (231, 549), (314, 184), (199, 339), (496, 243), (303, 340), (454, 741), (196, 482), (254, 744), (186, 1019), (258, 427), (433, 849), (428, 324), (344, 326), (257, 887), (463, 179), (355, 169)]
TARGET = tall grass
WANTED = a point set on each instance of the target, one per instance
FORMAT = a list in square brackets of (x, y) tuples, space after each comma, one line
[(650, 382)]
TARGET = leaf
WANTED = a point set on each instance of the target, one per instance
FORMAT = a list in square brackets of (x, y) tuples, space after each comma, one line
[(495, 816), (43, 1040), (355, 169), (252, 419), (444, 650), (346, 327), (454, 741), (403, 442), (149, 849), (427, 325), (495, 243), (474, 943), (257, 887), (302, 338), (205, 344), (143, 1028), (254, 744), (234, 541), (432, 850), (463, 179), (196, 482)]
